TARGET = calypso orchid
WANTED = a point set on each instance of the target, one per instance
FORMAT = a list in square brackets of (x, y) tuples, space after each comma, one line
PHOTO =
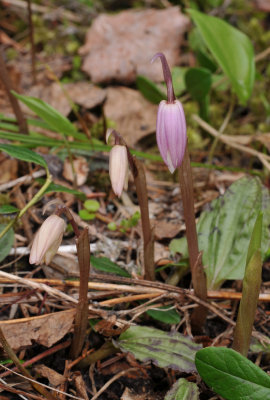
[(171, 128), (47, 240)]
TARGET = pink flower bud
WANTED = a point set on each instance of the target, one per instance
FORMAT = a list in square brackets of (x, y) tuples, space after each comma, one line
[(47, 240), (171, 133), (171, 123), (118, 168)]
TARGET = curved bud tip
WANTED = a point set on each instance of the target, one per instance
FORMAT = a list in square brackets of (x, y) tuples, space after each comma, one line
[(167, 76), (47, 240)]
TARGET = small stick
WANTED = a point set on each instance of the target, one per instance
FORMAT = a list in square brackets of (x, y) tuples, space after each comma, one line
[(148, 232), (33, 52), (4, 76)]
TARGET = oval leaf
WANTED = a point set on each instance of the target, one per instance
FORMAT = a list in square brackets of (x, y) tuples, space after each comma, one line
[(231, 375), (106, 265), (23, 154), (149, 90), (231, 48), (225, 228), (198, 82), (183, 390), (164, 315), (164, 349)]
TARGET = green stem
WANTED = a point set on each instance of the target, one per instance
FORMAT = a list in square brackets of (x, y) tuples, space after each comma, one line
[(37, 196)]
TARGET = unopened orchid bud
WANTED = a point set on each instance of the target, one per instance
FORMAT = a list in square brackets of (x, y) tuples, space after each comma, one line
[(118, 168), (47, 240), (171, 127)]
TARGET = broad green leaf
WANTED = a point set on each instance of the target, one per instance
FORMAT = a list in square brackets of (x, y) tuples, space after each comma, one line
[(149, 90), (91, 205), (198, 82), (231, 48), (164, 349), (23, 154), (183, 390), (8, 209), (54, 119), (224, 230), (106, 265), (231, 375), (6, 242), (205, 61), (164, 315)]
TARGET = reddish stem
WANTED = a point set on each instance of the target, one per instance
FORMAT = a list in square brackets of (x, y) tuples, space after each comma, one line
[(167, 76)]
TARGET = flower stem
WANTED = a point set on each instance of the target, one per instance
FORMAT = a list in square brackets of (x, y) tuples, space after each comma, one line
[(195, 258), (81, 317), (148, 233)]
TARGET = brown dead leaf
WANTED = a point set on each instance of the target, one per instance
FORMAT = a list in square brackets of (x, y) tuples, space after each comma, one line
[(263, 5), (81, 390), (135, 117), (119, 47), (166, 229), (81, 170), (53, 377), (8, 168), (45, 329), (51, 94), (61, 97), (130, 395), (85, 94)]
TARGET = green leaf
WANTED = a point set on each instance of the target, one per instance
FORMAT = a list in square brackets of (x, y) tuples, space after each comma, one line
[(256, 238), (225, 228), (86, 215), (91, 205), (231, 375), (106, 265), (183, 390), (198, 82), (164, 315), (23, 154), (164, 349), (149, 90), (231, 48), (8, 209), (53, 187), (178, 79), (6, 242), (250, 292), (54, 119)]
